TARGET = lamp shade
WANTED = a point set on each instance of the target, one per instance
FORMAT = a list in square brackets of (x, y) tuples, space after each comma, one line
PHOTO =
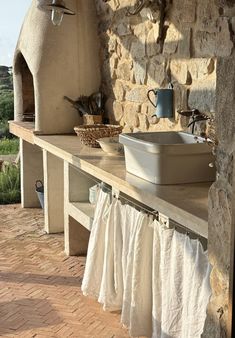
[(59, 6), (58, 10)]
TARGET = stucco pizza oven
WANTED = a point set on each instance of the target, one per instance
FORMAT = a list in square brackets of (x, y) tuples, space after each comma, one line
[(53, 61)]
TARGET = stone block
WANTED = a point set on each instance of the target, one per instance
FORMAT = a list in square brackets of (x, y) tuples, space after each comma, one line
[(124, 47), (137, 50), (225, 162), (127, 129), (113, 61), (202, 95), (117, 111), (205, 44), (140, 68), (207, 14), (119, 90), (141, 31), (123, 29), (233, 24), (171, 40), (224, 43), (184, 45), (124, 70), (156, 72), (152, 47), (112, 44), (225, 93), (152, 121), (131, 117), (229, 11), (137, 94), (123, 3), (114, 4), (219, 226), (188, 11), (200, 68), (114, 110), (147, 109), (107, 71), (143, 122), (147, 14), (179, 71), (180, 102), (101, 7)]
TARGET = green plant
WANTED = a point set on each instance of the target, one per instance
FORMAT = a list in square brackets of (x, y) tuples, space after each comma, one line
[(6, 105), (4, 129), (6, 77), (10, 185), (9, 146)]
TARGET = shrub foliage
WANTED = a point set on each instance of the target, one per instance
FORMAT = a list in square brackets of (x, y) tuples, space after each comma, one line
[(10, 185)]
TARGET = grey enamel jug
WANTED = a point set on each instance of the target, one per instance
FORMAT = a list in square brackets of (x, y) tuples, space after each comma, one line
[(164, 102)]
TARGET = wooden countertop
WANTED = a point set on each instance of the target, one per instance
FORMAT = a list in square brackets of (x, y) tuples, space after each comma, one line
[(186, 204)]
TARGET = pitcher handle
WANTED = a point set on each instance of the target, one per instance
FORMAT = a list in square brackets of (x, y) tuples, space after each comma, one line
[(148, 95)]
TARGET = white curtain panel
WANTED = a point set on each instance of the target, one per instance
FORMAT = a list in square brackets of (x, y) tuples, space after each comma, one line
[(96, 249), (181, 285), (158, 277), (129, 218), (111, 290), (156, 281), (137, 299)]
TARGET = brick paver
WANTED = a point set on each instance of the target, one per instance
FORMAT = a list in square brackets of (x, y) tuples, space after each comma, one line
[(40, 293)]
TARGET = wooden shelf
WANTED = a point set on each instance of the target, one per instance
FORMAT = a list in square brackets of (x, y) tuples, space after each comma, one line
[(82, 212)]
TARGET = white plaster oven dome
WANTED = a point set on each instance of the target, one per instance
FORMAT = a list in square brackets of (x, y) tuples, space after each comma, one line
[(51, 62)]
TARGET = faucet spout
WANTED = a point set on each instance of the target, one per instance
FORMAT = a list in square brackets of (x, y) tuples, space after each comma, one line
[(196, 116), (188, 112), (196, 119)]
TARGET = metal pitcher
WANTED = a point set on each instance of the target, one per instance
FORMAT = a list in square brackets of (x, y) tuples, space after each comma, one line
[(164, 101), (39, 188)]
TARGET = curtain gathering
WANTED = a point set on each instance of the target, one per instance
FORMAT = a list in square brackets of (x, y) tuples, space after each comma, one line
[(156, 277)]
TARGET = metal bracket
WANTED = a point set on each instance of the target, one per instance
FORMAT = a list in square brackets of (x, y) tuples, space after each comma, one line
[(115, 192), (163, 220)]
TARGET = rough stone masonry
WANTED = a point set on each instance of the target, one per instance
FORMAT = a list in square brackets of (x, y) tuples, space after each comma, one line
[(133, 62), (196, 56)]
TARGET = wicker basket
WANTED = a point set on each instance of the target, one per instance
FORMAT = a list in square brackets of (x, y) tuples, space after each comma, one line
[(88, 134)]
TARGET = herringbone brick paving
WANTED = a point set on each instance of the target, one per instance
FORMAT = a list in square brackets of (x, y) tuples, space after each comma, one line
[(40, 293)]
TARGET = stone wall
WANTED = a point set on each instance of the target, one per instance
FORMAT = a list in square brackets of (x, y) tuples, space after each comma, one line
[(222, 204), (134, 62), (197, 57)]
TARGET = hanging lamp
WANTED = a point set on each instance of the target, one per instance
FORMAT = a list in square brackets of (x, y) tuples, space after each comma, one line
[(58, 10)]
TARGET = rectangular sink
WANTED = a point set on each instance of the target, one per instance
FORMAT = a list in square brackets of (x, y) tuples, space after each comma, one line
[(168, 157)]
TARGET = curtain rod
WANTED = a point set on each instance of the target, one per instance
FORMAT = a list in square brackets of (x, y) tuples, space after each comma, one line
[(141, 207)]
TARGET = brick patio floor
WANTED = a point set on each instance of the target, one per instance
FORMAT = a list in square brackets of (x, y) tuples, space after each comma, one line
[(40, 293)]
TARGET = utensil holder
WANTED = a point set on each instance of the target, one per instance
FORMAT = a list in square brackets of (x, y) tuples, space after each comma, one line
[(92, 119)]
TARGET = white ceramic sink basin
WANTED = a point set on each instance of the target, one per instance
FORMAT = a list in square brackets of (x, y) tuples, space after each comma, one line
[(168, 157)]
